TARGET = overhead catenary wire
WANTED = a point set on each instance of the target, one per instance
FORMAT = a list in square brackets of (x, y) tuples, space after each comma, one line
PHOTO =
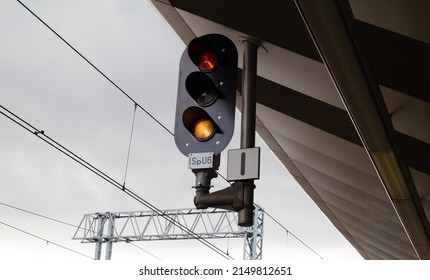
[(39, 215), (146, 251), (290, 233), (43, 239), (137, 105), (106, 77), (66, 223), (44, 137), (97, 69), (129, 144), (86, 164)]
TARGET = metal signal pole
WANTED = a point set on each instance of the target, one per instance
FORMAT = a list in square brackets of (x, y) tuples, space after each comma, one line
[(247, 140)]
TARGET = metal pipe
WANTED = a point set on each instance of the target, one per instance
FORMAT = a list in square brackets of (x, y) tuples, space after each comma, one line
[(247, 139), (100, 227), (110, 240), (249, 77)]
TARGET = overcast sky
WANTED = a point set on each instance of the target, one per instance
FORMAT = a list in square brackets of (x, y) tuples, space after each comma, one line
[(47, 84)]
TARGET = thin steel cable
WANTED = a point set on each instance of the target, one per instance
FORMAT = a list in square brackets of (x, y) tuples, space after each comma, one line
[(39, 215), (129, 97), (96, 68), (301, 241), (129, 144), (65, 223), (75, 157), (149, 253), (104, 75), (43, 239), (42, 135)]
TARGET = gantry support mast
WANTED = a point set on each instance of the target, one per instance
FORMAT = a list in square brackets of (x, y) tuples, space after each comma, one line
[(112, 227)]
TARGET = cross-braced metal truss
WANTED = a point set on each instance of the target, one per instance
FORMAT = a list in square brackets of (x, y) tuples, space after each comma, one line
[(110, 227)]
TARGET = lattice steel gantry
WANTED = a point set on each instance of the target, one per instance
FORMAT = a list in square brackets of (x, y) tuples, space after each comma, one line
[(112, 227)]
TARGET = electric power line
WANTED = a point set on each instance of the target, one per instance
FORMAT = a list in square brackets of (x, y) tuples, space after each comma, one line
[(97, 69), (289, 232), (44, 137), (39, 215), (46, 240), (149, 253), (86, 164), (129, 144), (136, 105), (65, 223), (99, 173)]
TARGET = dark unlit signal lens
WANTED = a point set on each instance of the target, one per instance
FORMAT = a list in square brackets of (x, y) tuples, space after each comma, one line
[(201, 89)]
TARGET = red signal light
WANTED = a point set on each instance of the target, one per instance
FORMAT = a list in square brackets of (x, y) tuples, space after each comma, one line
[(208, 61)]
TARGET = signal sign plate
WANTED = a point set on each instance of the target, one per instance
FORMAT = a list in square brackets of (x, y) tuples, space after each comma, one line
[(243, 164), (200, 160)]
